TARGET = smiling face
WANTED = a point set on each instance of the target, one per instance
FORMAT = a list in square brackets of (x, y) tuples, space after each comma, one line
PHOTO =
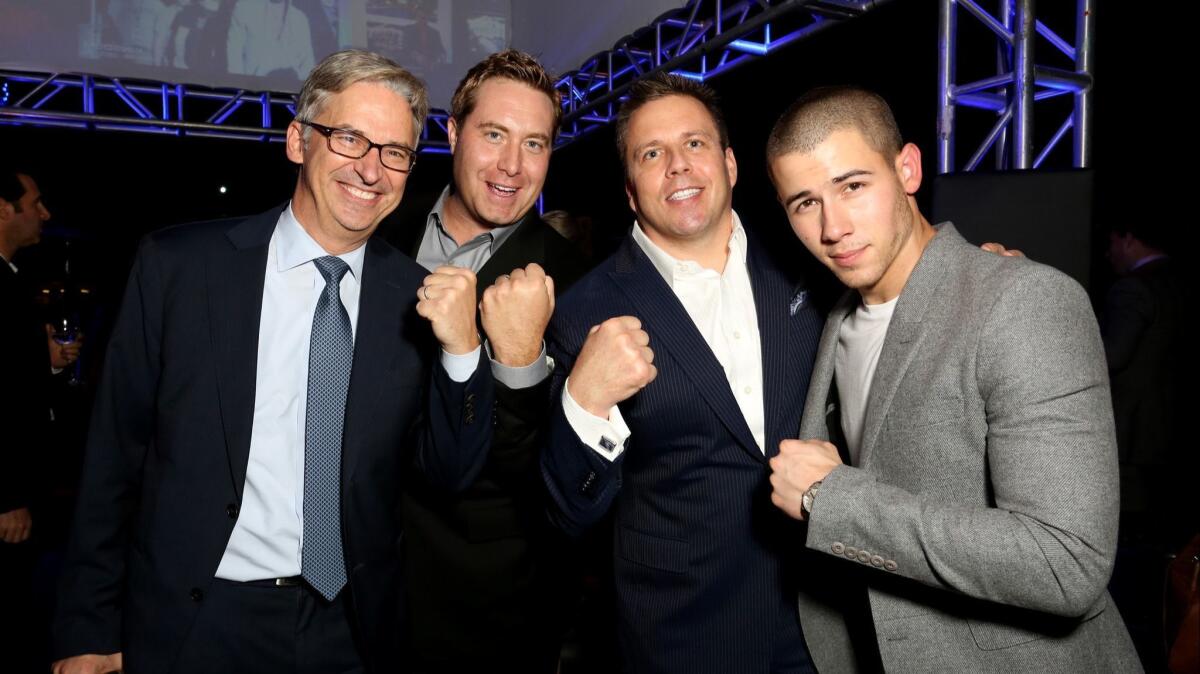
[(851, 208), (501, 153), (678, 177), (340, 201)]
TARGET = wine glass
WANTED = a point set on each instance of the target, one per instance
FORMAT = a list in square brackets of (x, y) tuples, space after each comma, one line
[(66, 331)]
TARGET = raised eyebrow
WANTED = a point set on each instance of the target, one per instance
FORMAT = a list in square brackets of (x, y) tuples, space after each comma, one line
[(346, 127), (640, 149), (803, 194), (850, 174)]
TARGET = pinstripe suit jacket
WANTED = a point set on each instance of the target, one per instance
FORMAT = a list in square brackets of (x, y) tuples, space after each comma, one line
[(700, 555), (980, 514)]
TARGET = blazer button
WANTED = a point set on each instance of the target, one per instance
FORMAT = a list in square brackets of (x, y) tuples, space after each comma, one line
[(876, 561), (864, 556), (837, 548), (851, 551), (232, 511), (196, 594), (589, 484), (470, 418), (470, 399), (889, 565)]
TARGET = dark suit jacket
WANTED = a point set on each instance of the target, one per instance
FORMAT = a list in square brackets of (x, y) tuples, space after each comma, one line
[(701, 563), (24, 406), (170, 439), (487, 581), (1141, 328)]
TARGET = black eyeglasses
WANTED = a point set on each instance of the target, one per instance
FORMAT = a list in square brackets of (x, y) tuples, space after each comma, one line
[(356, 146)]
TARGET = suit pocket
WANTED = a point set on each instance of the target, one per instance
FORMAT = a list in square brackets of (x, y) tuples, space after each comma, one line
[(664, 554), (995, 636)]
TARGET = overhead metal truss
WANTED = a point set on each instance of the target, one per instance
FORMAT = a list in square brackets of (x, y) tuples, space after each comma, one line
[(117, 104), (1020, 82), (702, 39)]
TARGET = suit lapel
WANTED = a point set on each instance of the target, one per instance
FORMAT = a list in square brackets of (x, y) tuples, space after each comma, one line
[(904, 334), (778, 354), (522, 247), (381, 303), (822, 392), (672, 332), (235, 277)]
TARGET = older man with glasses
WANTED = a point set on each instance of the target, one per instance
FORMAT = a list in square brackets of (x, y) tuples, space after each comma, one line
[(267, 385)]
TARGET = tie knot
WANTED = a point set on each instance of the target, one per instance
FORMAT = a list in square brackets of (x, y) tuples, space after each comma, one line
[(332, 268)]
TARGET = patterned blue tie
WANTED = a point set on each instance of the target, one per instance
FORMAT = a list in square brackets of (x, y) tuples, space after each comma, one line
[(330, 355)]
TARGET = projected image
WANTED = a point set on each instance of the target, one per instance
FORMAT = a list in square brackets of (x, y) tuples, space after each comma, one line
[(251, 44), (414, 32), (278, 39)]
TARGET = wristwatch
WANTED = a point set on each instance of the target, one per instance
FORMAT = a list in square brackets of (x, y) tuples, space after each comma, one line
[(806, 501)]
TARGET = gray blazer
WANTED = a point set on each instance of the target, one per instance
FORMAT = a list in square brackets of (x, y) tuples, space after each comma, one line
[(976, 528)]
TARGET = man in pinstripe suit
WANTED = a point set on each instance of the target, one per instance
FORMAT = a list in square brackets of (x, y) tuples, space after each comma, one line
[(681, 363)]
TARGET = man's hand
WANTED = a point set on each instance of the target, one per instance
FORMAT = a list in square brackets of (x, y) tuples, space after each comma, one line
[(88, 664), (447, 301), (615, 363), (62, 356), (798, 465), (515, 311), (999, 249), (16, 525)]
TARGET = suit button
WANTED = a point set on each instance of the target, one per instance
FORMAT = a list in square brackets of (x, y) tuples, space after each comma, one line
[(470, 398), (589, 484), (851, 551), (470, 418), (864, 556), (876, 561), (838, 548), (889, 565), (232, 511), (196, 594)]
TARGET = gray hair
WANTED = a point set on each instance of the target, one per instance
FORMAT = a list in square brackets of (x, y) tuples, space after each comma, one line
[(338, 71)]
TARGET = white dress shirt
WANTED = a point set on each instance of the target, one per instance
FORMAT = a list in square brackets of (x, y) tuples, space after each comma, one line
[(721, 305), (267, 538)]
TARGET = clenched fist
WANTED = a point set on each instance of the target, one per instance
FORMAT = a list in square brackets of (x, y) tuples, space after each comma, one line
[(798, 465), (447, 301), (515, 311), (615, 363)]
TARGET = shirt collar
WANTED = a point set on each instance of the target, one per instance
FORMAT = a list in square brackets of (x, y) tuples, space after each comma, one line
[(498, 235), (10, 264), (294, 246), (672, 268)]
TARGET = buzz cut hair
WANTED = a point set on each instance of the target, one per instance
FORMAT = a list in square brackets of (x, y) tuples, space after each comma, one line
[(819, 112)]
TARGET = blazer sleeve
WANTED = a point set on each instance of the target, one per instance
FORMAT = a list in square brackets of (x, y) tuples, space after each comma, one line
[(1049, 540), (454, 436), (88, 616), (581, 483)]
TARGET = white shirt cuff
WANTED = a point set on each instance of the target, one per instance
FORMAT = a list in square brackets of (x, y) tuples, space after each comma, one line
[(606, 436), (520, 377), (460, 367)]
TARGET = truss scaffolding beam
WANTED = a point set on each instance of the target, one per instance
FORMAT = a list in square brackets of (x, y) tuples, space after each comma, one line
[(700, 40), (115, 104), (1023, 78)]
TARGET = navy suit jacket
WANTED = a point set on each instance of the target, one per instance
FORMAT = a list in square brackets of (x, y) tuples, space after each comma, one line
[(701, 556), (170, 439)]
